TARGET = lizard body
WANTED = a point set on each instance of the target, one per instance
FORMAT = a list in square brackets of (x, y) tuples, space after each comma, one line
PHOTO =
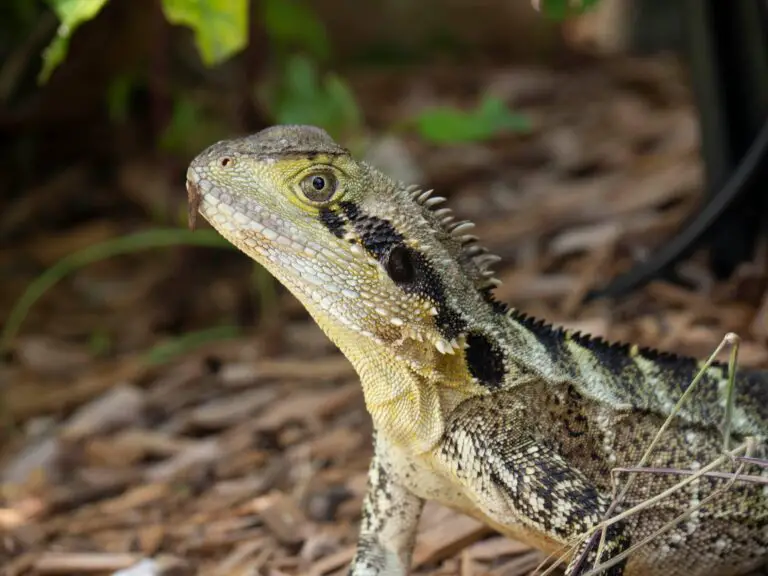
[(477, 406)]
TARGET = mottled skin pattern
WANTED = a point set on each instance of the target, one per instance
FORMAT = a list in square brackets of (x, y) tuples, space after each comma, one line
[(479, 407)]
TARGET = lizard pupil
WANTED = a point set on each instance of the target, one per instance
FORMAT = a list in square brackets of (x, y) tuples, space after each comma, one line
[(399, 265), (318, 183)]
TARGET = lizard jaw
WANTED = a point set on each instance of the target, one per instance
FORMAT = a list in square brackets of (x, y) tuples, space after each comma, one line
[(282, 248), (241, 219)]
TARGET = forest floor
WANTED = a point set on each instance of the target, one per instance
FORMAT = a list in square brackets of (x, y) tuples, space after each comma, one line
[(247, 454)]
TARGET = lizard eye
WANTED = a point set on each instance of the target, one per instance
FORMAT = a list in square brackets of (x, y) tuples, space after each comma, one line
[(399, 265), (319, 187)]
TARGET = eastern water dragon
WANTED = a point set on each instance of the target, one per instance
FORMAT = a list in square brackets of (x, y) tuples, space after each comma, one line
[(474, 404)]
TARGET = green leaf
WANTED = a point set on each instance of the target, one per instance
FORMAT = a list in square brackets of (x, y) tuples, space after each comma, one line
[(100, 342), (446, 125), (191, 127), (303, 96), (289, 23), (119, 95), (343, 100), (562, 9), (71, 14), (188, 342), (220, 26)]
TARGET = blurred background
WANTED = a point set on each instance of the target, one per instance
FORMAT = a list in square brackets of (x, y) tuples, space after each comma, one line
[(164, 402)]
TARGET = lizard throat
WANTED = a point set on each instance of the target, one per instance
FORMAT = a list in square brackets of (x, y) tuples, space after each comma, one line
[(408, 398)]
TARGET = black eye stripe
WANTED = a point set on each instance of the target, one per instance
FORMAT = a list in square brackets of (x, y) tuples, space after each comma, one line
[(333, 222), (381, 240), (377, 234)]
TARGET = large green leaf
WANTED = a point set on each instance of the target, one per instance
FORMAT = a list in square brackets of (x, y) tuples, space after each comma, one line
[(446, 125), (562, 9), (71, 13), (305, 96), (291, 24), (220, 26)]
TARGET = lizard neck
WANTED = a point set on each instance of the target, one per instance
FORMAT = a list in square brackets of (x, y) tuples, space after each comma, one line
[(408, 388), (408, 385)]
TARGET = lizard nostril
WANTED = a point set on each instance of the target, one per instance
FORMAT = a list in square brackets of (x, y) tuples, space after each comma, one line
[(225, 162)]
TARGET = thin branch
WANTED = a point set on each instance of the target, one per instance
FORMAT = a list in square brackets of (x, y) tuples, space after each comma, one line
[(752, 460), (666, 528), (722, 475), (730, 389), (729, 338)]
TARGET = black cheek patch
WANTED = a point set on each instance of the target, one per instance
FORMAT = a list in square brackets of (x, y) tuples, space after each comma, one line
[(380, 238), (399, 265), (429, 284), (484, 360), (333, 222)]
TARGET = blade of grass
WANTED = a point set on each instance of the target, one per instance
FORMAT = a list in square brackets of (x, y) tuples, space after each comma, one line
[(591, 535), (727, 457), (752, 460), (600, 568), (148, 239), (730, 390), (676, 472), (618, 500), (185, 343), (729, 339), (263, 284)]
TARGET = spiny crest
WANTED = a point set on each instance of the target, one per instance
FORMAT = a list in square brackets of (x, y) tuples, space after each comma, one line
[(475, 260), (588, 341)]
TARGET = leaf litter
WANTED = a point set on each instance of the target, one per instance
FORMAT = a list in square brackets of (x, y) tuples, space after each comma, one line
[(249, 455)]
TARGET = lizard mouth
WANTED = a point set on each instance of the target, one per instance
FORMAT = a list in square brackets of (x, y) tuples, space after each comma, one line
[(239, 218), (276, 243), (319, 273)]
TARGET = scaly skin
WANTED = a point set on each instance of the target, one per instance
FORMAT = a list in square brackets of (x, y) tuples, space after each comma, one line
[(479, 407)]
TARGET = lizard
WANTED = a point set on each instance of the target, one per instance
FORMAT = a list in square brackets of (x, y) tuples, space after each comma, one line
[(475, 404)]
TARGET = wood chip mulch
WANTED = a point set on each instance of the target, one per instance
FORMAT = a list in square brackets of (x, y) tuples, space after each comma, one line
[(243, 456)]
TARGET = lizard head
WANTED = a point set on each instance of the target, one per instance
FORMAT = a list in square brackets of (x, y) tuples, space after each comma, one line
[(375, 262), (371, 254)]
